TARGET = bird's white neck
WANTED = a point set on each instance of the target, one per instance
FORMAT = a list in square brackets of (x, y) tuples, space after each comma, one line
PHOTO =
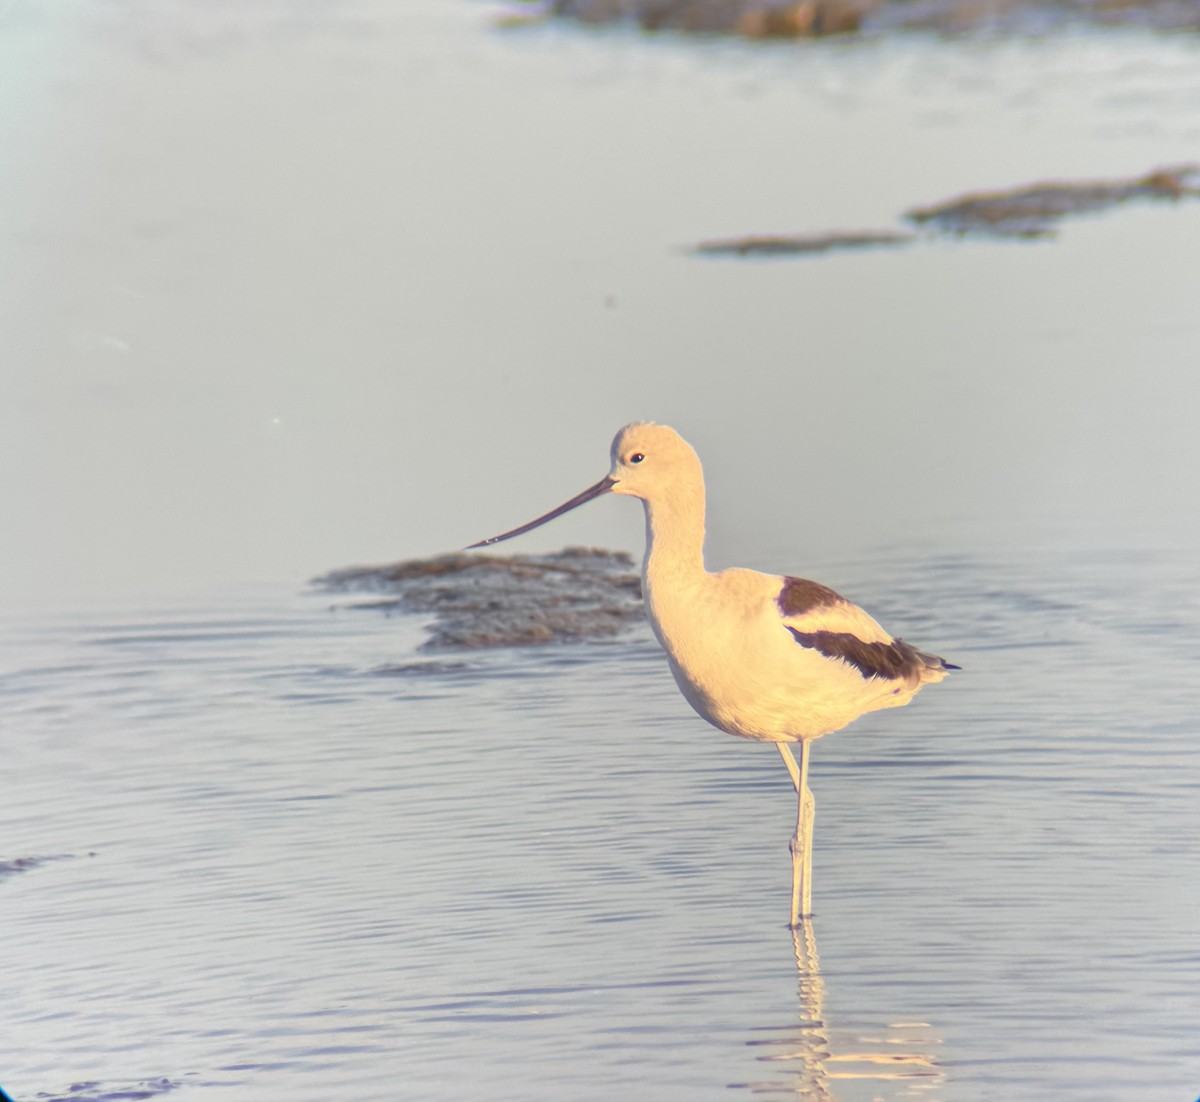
[(674, 538)]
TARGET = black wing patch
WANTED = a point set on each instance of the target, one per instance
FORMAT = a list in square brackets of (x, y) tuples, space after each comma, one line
[(895, 661), (799, 596)]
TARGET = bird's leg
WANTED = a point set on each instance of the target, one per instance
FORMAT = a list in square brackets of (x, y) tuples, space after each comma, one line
[(801, 845), (810, 813), (792, 768)]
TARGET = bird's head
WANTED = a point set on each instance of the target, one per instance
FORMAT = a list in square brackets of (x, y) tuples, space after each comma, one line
[(650, 461)]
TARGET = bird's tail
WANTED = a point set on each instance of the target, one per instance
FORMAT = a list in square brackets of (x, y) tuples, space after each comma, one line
[(932, 666)]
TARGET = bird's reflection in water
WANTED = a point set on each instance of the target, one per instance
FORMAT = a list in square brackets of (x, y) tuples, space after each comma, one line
[(894, 1062)]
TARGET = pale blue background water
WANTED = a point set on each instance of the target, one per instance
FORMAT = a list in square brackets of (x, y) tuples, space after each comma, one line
[(286, 288)]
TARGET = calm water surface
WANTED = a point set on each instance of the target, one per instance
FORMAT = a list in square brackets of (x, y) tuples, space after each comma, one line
[(289, 290), (293, 852)]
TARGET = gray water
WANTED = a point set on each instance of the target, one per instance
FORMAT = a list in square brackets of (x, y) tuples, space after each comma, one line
[(288, 288)]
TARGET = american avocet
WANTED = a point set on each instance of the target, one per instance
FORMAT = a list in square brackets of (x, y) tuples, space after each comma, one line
[(777, 659)]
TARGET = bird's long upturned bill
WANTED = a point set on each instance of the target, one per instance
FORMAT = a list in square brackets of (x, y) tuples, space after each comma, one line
[(602, 487)]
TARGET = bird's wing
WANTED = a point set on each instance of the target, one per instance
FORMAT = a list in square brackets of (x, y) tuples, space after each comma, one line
[(810, 607), (824, 621)]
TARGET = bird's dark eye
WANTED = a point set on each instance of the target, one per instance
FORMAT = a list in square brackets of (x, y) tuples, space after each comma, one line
[(637, 457)]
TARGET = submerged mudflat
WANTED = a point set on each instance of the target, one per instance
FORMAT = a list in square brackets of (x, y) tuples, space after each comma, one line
[(495, 601), (92, 1091), (1028, 211), (819, 18)]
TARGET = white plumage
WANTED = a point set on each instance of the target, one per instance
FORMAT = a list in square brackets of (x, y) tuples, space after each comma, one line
[(771, 658)]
